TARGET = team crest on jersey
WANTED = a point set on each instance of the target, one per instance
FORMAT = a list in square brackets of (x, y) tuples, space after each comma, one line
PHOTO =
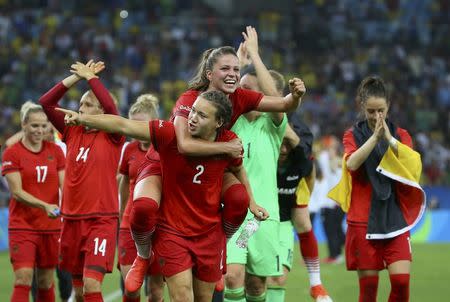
[(50, 157)]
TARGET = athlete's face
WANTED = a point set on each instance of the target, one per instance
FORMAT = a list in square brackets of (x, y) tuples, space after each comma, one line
[(202, 122), (373, 107), (89, 104), (224, 75), (250, 82), (35, 128), (144, 117)]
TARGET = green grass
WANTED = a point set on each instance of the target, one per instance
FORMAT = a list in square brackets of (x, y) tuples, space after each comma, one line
[(430, 279)]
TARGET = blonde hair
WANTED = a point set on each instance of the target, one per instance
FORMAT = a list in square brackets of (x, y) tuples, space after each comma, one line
[(145, 103), (27, 108), (279, 81), (91, 93)]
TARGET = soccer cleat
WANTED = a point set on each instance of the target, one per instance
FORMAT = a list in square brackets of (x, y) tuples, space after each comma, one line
[(136, 274), (320, 294)]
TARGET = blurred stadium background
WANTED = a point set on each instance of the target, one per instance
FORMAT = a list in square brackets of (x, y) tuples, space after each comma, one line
[(154, 46)]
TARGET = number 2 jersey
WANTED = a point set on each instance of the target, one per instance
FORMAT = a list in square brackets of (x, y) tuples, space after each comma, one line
[(39, 175), (192, 186)]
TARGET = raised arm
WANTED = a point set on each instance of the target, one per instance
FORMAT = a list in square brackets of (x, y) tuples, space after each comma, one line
[(265, 80), (284, 104), (190, 146), (15, 186), (109, 123)]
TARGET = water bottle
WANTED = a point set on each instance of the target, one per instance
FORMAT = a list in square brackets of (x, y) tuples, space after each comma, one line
[(249, 229), (56, 212)]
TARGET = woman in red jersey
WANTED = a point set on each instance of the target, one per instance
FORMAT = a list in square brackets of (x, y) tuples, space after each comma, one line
[(218, 70), (34, 170), (144, 109), (382, 208), (189, 243)]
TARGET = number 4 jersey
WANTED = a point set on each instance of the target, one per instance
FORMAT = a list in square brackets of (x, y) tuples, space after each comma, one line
[(39, 175), (90, 185), (192, 186)]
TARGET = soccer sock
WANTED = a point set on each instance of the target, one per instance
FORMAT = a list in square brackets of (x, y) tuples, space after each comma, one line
[(46, 294), (260, 298), (399, 288), (93, 297), (368, 287), (125, 298), (236, 201), (234, 295), (21, 293), (143, 219), (310, 254), (275, 293)]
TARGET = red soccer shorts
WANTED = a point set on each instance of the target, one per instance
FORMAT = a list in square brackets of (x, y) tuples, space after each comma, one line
[(127, 248), (88, 244), (148, 168), (374, 254), (30, 249), (205, 254)]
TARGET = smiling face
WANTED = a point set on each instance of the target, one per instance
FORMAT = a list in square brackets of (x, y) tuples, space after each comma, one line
[(202, 121), (373, 107), (35, 127), (224, 75)]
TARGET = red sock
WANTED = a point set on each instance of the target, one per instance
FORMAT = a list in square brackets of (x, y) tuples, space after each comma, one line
[(21, 293), (236, 201), (308, 245), (399, 288), (125, 298), (143, 219), (368, 287), (93, 297), (46, 294)]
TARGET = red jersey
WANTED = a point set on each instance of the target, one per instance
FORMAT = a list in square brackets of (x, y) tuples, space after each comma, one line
[(90, 185), (39, 174), (192, 186), (242, 100), (132, 159), (361, 187)]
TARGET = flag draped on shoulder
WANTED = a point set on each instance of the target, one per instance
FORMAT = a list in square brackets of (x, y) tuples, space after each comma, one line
[(404, 170)]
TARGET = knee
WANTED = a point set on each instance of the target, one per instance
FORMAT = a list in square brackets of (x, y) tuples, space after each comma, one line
[(23, 277), (234, 279), (181, 294), (302, 225), (45, 282), (236, 197), (277, 281), (91, 285), (255, 287)]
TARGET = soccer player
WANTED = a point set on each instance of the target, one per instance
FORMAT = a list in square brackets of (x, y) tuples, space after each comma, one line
[(295, 178), (90, 195), (34, 170), (262, 135), (144, 109), (219, 71), (189, 240), (383, 201)]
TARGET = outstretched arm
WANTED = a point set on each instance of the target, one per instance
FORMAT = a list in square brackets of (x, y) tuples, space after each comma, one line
[(109, 123), (190, 146), (284, 104)]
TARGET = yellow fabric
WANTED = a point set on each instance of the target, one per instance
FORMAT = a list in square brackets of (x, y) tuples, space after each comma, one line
[(303, 193), (342, 192), (406, 166)]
